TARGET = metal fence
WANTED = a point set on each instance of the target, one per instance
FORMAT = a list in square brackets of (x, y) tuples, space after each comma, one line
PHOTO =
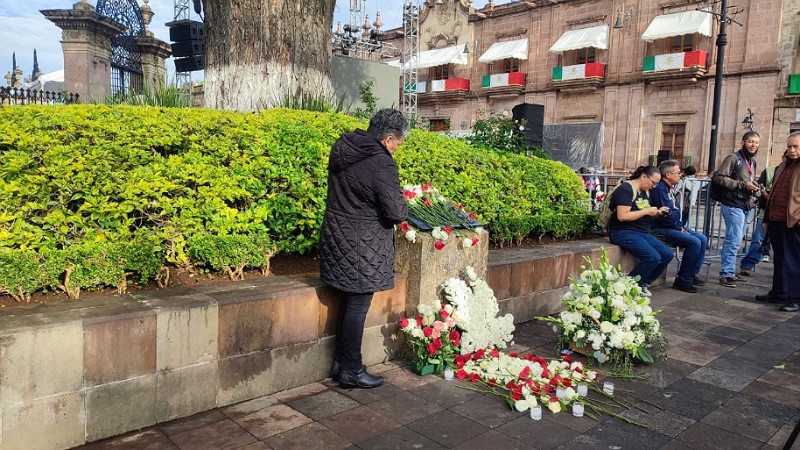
[(19, 96), (695, 212)]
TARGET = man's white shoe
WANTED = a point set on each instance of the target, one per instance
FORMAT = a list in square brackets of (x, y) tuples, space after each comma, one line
[(646, 292)]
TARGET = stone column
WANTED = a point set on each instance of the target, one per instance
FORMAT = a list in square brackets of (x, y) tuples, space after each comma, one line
[(86, 42), (154, 52)]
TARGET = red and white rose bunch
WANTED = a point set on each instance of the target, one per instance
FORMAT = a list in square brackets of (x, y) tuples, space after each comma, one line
[(432, 336), (427, 204)]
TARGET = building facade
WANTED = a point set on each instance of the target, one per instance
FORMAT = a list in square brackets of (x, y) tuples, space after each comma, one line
[(644, 70)]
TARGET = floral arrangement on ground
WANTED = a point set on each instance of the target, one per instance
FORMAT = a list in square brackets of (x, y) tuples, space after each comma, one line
[(608, 319), (427, 206), (465, 321)]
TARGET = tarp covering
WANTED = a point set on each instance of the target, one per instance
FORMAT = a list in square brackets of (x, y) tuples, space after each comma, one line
[(596, 37), (575, 144), (678, 24), (509, 49), (439, 57), (49, 82)]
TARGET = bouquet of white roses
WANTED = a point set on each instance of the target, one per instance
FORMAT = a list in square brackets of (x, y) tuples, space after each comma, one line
[(608, 319)]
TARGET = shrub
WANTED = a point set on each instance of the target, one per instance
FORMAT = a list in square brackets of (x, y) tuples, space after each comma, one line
[(93, 195)]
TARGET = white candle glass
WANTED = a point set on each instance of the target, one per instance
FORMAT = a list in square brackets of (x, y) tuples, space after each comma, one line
[(560, 392), (608, 388), (583, 389), (577, 409), (448, 374), (536, 413)]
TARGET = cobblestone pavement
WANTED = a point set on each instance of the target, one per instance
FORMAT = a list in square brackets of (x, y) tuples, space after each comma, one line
[(719, 389)]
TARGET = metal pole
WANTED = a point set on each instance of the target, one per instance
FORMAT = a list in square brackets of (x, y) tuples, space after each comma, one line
[(722, 41)]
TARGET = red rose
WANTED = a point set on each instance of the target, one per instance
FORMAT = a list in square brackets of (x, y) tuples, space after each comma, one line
[(473, 216), (444, 314), (439, 245), (553, 399), (579, 370), (513, 355), (404, 322), (478, 354), (404, 227), (494, 353), (468, 357), (447, 229), (459, 361), (546, 374), (526, 372), (474, 377), (541, 361), (427, 331), (567, 358), (409, 195), (437, 343), (511, 386), (428, 202), (566, 382), (492, 382), (431, 349), (516, 395), (454, 335), (427, 187), (555, 380), (529, 357), (549, 389), (456, 342), (475, 241), (461, 374), (419, 320)]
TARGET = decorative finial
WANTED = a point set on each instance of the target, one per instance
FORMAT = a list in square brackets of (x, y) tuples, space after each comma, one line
[(378, 24), (339, 30), (8, 79), (366, 25), (147, 17)]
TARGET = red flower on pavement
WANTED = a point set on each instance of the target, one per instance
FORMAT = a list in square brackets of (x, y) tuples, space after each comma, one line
[(439, 245), (566, 382), (447, 229), (478, 354), (529, 357), (516, 395), (526, 372), (404, 227), (513, 355), (474, 377), (459, 361), (567, 358), (468, 357), (461, 374), (404, 322), (494, 353), (553, 399), (427, 331), (511, 386), (492, 382)]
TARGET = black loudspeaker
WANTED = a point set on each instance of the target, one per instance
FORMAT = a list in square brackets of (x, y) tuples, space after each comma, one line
[(533, 115), (188, 48), (663, 155), (189, 64), (186, 30)]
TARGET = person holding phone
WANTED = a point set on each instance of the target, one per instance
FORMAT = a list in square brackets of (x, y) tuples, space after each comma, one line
[(669, 229), (631, 223)]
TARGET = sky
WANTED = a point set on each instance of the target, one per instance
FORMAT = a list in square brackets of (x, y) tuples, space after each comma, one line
[(23, 28)]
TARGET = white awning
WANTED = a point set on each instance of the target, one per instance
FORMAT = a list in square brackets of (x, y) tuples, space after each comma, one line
[(596, 37), (678, 24), (439, 57), (509, 49), (394, 63)]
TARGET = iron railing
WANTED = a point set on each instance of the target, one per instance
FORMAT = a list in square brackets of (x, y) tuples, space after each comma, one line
[(19, 96)]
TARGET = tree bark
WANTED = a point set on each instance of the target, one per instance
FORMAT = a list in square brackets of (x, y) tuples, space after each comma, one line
[(259, 52)]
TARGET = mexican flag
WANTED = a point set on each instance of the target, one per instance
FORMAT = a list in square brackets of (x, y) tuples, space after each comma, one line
[(419, 87), (575, 72), (671, 61), (496, 80)]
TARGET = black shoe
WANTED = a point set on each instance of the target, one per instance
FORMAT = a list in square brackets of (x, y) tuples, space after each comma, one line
[(745, 272), (698, 282), (790, 307), (728, 282), (739, 279), (684, 286), (335, 369), (770, 297), (359, 379)]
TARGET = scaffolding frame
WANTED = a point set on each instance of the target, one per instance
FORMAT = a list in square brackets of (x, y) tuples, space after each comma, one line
[(410, 57)]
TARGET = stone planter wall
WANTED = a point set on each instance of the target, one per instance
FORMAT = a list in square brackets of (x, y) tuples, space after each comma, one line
[(84, 370)]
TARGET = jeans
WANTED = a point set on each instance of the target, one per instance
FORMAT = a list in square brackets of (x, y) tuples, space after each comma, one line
[(694, 250), (786, 248), (350, 328), (755, 251), (652, 254), (735, 225)]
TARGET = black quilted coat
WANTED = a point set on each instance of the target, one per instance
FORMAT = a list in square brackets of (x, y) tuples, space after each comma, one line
[(364, 202)]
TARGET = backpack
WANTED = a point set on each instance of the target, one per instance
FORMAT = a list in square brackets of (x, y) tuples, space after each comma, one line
[(604, 215), (717, 192)]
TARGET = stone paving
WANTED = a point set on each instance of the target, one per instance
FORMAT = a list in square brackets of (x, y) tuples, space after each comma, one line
[(719, 389)]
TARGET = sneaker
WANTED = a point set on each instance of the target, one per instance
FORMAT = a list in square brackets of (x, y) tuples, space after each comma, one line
[(698, 282), (646, 292), (790, 307), (728, 282), (765, 258), (769, 297), (684, 286), (745, 272), (739, 279)]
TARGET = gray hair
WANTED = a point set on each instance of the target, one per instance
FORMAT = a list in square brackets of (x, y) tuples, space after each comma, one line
[(665, 166), (792, 135), (388, 122)]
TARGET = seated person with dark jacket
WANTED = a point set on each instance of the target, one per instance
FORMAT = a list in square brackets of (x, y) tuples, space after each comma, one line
[(668, 229)]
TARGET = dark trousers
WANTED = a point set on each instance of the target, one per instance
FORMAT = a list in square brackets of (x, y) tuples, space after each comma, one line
[(652, 254), (350, 328), (694, 250), (786, 248)]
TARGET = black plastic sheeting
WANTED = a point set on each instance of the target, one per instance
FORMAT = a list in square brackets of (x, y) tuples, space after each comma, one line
[(575, 144)]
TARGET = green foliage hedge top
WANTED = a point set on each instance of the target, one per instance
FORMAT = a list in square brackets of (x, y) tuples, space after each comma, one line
[(95, 177)]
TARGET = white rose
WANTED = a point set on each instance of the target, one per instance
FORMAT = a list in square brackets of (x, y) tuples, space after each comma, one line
[(555, 407), (606, 326), (466, 243), (521, 405), (411, 236), (580, 334)]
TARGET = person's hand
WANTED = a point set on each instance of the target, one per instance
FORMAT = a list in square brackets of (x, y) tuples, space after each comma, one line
[(765, 193), (653, 211), (664, 210), (751, 186), (683, 230)]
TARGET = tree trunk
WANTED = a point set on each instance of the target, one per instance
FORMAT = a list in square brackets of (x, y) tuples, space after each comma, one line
[(259, 52)]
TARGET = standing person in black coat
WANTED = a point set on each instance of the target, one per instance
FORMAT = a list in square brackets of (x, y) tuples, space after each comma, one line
[(364, 202)]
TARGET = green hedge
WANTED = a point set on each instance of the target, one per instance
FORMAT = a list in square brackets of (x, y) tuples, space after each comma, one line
[(94, 194)]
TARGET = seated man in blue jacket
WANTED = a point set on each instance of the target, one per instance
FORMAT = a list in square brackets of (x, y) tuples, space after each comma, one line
[(668, 229)]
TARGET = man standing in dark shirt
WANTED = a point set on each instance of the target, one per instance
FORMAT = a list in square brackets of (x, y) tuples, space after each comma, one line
[(783, 222), (668, 228)]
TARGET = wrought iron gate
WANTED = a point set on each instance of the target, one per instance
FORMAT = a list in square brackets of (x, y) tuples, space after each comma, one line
[(126, 60)]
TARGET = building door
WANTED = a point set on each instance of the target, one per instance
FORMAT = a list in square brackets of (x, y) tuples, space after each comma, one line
[(673, 139)]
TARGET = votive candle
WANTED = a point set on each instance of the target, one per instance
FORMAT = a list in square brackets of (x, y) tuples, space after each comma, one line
[(536, 413), (608, 388), (448, 374), (577, 409), (583, 389), (560, 392)]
